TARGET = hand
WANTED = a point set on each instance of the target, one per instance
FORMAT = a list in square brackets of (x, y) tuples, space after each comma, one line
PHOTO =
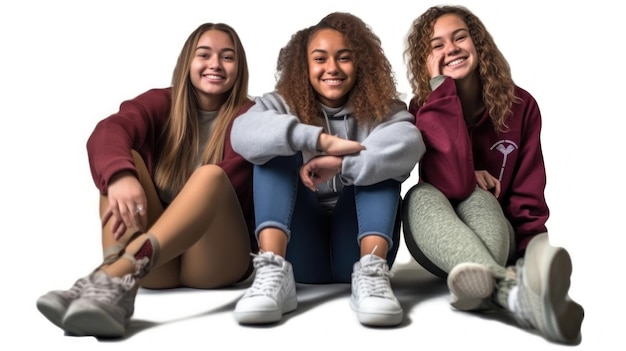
[(320, 169), (435, 64), (336, 146), (127, 205), (486, 182)]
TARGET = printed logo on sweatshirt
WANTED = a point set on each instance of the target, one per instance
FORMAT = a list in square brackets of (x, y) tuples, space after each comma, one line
[(505, 147)]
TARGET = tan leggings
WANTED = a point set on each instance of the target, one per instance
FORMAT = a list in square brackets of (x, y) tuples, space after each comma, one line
[(202, 235)]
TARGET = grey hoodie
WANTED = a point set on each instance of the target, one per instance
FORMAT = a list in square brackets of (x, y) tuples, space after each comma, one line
[(392, 148)]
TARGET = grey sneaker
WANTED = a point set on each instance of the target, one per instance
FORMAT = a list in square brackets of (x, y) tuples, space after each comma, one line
[(103, 309), (470, 284), (272, 293), (372, 298), (542, 300), (54, 304)]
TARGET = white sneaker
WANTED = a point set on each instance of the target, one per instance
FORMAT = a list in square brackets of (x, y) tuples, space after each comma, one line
[(272, 294), (372, 298), (470, 284), (540, 300)]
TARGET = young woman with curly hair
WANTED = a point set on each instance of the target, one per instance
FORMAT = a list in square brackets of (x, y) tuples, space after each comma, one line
[(479, 205), (176, 200), (329, 157)]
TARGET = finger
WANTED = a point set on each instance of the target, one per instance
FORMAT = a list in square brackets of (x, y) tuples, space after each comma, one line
[(126, 213), (481, 184), (497, 191), (137, 214), (143, 221), (106, 217), (117, 223), (488, 183), (117, 234), (308, 178), (309, 181)]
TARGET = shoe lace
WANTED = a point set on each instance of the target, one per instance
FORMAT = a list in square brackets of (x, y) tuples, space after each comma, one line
[(108, 290), (373, 279), (269, 275), (523, 306), (79, 286)]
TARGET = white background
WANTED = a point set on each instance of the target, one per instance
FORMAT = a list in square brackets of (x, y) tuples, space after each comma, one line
[(64, 65)]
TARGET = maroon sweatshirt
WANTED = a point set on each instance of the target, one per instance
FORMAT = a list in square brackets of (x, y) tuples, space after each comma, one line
[(454, 150), (139, 125)]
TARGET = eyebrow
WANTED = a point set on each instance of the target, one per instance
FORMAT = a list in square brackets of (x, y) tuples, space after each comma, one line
[(209, 48), (342, 51), (453, 33)]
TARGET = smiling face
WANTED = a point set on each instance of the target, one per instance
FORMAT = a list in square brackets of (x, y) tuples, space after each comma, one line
[(332, 71), (213, 68), (451, 40)]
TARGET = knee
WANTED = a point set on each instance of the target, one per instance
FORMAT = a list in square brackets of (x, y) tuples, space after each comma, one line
[(211, 173), (422, 194)]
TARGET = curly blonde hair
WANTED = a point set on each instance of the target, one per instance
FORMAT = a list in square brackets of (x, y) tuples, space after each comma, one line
[(493, 69), (375, 85), (179, 154)]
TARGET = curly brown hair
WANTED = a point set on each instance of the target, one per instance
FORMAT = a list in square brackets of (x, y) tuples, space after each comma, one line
[(375, 85), (493, 69)]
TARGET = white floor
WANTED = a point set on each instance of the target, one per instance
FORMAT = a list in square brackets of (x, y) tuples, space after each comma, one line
[(200, 319)]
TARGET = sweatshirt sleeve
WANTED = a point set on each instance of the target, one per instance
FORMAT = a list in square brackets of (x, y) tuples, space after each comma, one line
[(239, 172), (268, 130), (136, 126), (525, 205), (447, 163), (392, 149)]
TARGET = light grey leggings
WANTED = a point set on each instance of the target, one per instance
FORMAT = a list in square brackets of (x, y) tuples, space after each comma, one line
[(440, 236)]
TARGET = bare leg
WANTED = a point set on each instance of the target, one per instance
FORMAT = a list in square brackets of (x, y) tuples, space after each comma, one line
[(205, 226), (274, 240), (371, 242)]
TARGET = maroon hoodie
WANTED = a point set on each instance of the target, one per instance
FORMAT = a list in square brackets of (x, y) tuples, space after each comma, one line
[(139, 125), (455, 150)]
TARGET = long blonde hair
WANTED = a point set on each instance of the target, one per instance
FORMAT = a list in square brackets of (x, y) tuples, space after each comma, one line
[(180, 150), (493, 69)]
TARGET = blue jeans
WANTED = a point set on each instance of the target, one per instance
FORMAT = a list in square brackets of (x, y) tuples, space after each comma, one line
[(324, 245)]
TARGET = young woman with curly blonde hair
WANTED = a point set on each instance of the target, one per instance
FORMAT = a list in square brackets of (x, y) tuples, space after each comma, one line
[(479, 206)]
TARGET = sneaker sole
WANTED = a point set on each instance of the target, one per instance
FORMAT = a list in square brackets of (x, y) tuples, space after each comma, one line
[(562, 316), (469, 284), (88, 320), (265, 317), (379, 319), (53, 310)]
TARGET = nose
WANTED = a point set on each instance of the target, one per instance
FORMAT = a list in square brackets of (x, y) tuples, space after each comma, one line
[(331, 66), (452, 48), (215, 62)]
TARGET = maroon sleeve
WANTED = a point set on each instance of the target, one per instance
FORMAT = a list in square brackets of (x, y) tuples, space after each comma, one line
[(525, 204), (239, 171), (447, 163), (136, 126)]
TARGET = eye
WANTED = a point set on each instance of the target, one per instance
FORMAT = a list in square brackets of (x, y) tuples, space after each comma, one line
[(228, 57), (345, 58), (437, 46), (319, 59), (461, 37), (203, 54)]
